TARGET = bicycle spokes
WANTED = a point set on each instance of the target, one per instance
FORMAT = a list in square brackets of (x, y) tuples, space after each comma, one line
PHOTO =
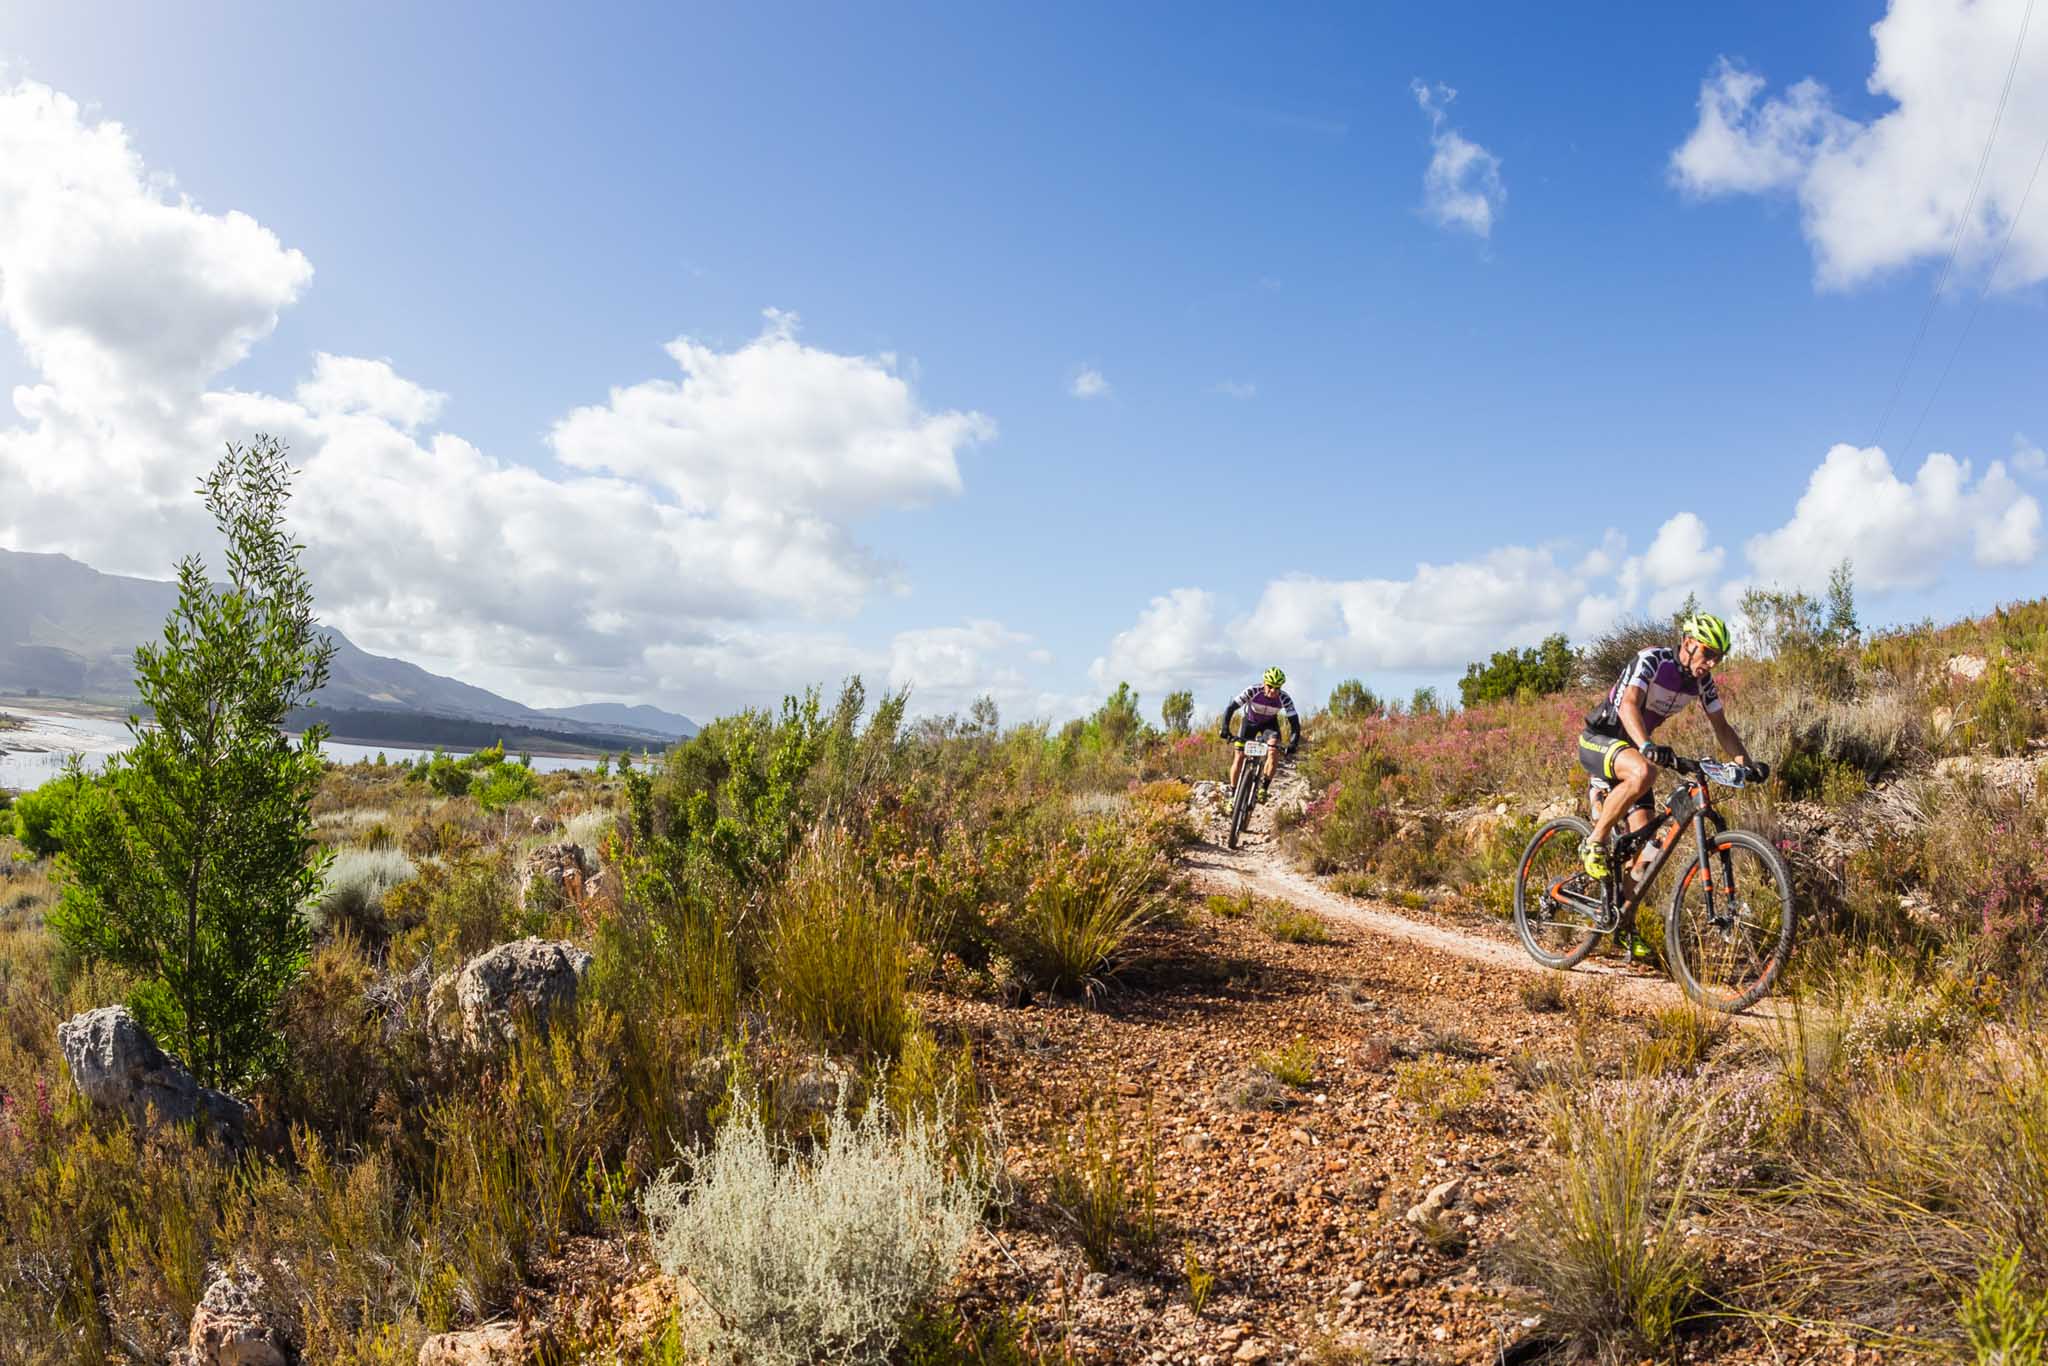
[(1731, 921)]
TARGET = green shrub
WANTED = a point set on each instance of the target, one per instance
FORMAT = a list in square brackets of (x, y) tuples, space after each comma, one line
[(820, 1256), (188, 861), (503, 784), (1534, 672), (1444, 1090), (40, 814), (2005, 1314), (1351, 699)]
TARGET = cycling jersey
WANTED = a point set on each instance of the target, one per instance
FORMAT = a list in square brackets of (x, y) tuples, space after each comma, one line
[(1262, 711), (1668, 687)]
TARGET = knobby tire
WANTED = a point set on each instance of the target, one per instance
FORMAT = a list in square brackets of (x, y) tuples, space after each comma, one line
[(1532, 922), (1757, 950)]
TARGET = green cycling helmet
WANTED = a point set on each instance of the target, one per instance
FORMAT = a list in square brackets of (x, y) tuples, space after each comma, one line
[(1708, 629), (1275, 676)]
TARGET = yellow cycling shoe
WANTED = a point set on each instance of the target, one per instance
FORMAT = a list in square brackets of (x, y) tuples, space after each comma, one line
[(1594, 859)]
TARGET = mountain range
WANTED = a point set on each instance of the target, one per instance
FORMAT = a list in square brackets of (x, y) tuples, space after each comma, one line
[(69, 631)]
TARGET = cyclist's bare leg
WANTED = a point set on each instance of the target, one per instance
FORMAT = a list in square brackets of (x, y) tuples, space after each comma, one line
[(1272, 761), (1236, 767), (1632, 779)]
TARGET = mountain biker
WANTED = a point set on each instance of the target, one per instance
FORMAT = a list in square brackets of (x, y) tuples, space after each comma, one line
[(1619, 749), (1264, 704)]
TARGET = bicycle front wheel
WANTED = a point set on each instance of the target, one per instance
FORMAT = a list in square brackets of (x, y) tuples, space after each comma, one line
[(1556, 904), (1728, 933), (1241, 804)]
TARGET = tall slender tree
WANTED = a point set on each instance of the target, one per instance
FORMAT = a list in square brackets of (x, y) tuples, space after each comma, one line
[(189, 863)]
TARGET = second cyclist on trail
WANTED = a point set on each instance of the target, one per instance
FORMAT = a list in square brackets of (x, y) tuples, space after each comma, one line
[(1263, 705), (1619, 746)]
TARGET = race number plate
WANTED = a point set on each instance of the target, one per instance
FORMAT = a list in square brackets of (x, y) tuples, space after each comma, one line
[(1255, 749)]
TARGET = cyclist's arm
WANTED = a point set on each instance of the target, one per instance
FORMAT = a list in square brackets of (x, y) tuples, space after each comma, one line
[(1724, 735), (1294, 717), (1632, 719), (1229, 712)]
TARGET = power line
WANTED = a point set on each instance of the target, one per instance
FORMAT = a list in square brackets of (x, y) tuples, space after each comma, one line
[(1983, 294), (1962, 225)]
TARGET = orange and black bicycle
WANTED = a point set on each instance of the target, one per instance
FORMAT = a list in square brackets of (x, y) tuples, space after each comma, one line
[(1728, 931)]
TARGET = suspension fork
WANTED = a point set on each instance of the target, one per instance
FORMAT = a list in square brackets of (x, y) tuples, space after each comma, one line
[(1702, 845)]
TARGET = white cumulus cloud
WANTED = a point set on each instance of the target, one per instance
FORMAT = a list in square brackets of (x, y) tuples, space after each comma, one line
[(1089, 384), (1885, 193), (1898, 535), (699, 511), (1462, 186)]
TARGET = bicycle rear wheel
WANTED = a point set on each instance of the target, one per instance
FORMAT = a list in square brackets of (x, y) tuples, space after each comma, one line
[(1728, 934), (1556, 904), (1241, 803)]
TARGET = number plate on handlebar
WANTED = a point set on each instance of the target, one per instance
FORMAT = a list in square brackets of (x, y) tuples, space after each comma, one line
[(1727, 775), (1256, 749)]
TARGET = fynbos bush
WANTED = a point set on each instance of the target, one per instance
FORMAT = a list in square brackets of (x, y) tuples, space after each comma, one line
[(353, 893), (819, 1256)]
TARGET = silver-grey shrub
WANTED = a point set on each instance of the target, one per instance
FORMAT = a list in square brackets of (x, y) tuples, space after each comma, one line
[(821, 1255), (353, 893)]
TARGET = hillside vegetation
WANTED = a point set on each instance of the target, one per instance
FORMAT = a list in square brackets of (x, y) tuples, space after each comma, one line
[(870, 1039)]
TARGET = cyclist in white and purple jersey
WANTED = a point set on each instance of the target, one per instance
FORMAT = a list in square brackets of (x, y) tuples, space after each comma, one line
[(1619, 748), (1263, 705)]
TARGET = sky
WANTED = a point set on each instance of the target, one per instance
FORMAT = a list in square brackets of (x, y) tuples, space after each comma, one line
[(694, 356)]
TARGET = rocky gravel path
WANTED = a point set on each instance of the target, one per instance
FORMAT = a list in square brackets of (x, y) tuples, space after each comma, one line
[(1259, 866)]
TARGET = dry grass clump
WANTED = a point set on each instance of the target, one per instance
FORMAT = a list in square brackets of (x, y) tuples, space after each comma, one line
[(353, 894), (809, 1255), (1292, 925), (1294, 1065), (1104, 1184), (1444, 1090), (840, 956), (1605, 1249)]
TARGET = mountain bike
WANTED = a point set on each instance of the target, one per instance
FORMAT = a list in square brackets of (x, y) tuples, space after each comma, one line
[(1728, 931), (1246, 794)]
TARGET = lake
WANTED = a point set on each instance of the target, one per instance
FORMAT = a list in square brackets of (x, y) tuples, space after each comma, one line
[(32, 756)]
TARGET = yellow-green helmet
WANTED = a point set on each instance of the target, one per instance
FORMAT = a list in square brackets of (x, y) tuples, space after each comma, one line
[(1276, 677), (1708, 629)]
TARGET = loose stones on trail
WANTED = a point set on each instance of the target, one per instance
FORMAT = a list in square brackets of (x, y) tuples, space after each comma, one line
[(117, 1066), (530, 978)]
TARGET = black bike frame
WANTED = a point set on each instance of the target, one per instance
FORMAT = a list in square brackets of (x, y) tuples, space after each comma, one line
[(1629, 845), (1699, 814)]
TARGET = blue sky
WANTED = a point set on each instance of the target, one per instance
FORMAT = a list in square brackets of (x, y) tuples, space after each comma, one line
[(1221, 214)]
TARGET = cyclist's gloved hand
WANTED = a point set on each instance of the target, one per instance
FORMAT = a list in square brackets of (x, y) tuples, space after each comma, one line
[(1661, 755)]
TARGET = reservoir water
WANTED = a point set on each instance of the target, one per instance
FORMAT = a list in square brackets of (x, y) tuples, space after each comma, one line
[(33, 755)]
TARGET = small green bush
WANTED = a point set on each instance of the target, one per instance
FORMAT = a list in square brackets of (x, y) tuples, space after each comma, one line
[(1291, 925), (1295, 1064), (38, 814)]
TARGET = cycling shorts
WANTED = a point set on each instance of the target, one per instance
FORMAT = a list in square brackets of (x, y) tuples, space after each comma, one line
[(1596, 755), (1252, 729)]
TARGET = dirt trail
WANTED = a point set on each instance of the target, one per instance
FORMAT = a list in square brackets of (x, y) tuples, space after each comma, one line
[(1258, 865)]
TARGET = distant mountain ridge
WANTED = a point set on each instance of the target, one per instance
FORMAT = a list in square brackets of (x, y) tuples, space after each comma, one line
[(68, 630)]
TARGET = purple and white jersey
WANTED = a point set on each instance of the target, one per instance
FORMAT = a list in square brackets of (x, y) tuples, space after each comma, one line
[(1667, 689), (1263, 712)]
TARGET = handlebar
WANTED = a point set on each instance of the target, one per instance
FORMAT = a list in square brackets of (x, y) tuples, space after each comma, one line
[(1725, 774)]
